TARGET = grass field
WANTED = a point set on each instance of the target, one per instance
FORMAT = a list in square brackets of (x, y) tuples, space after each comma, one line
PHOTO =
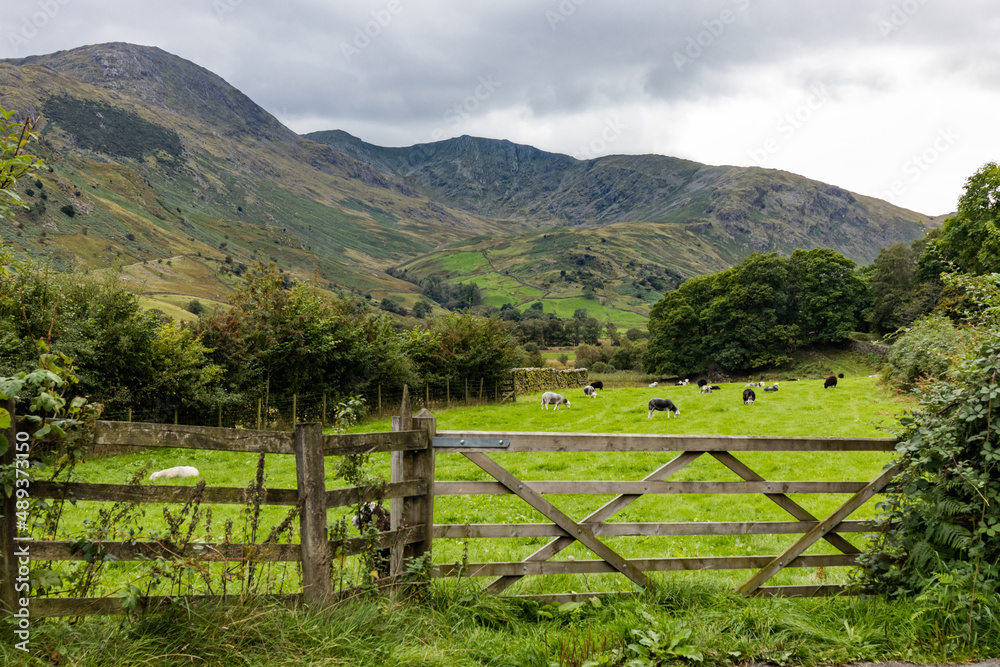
[(859, 407)]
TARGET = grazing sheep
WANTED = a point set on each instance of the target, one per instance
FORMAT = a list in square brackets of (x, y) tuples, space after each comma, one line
[(683, 383), (705, 389), (373, 514), (840, 375), (176, 471), (550, 397), (830, 382), (749, 397), (774, 388), (754, 384), (597, 384), (716, 387), (590, 391), (653, 384), (663, 404), (702, 382)]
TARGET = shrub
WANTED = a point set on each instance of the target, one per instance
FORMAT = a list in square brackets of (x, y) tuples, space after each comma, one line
[(69, 210), (925, 348), (599, 367), (195, 307)]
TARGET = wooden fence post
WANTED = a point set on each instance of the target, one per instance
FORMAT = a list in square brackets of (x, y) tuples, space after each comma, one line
[(220, 415), (310, 477), (324, 407), (295, 408), (411, 465), (380, 399), (447, 392), (8, 524), (175, 416), (427, 395), (258, 414), (481, 380)]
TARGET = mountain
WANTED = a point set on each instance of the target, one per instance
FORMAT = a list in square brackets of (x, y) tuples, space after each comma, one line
[(160, 165), (740, 209), (153, 157)]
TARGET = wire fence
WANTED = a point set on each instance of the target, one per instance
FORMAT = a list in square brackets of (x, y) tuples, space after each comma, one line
[(283, 412)]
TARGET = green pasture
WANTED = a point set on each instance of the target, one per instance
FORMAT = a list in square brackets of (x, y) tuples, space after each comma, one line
[(565, 308), (858, 407)]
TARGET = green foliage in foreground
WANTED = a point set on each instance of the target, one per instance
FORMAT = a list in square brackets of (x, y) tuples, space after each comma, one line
[(455, 627)]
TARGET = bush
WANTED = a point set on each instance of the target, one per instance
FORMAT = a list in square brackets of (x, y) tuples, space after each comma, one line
[(599, 367), (69, 210), (194, 307), (926, 348)]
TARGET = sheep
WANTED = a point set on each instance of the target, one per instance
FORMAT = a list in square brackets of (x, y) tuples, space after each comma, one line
[(716, 387), (683, 383), (830, 382), (840, 375), (590, 391), (176, 471), (553, 398), (373, 514), (773, 388), (705, 389), (702, 382), (749, 397), (662, 404), (597, 384), (653, 384)]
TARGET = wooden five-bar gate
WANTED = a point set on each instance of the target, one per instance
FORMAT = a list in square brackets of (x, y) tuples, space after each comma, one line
[(412, 489)]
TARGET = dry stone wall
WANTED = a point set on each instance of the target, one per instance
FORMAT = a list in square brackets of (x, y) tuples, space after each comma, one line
[(531, 380)]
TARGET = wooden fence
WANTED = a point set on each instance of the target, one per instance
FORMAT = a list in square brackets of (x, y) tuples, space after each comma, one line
[(409, 491), (412, 489)]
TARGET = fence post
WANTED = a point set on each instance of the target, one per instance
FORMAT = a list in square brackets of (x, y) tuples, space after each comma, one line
[(130, 414), (466, 391), (405, 466), (481, 380), (380, 399), (175, 416), (447, 392), (427, 395), (220, 415), (310, 479), (295, 408), (324, 407), (8, 523), (258, 414)]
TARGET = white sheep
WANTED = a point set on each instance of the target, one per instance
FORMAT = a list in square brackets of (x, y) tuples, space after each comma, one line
[(176, 471)]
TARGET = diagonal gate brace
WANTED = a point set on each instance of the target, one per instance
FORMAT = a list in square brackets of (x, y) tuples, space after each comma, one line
[(821, 530), (579, 532)]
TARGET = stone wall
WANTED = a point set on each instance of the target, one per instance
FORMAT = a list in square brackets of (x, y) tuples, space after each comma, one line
[(531, 380), (864, 347)]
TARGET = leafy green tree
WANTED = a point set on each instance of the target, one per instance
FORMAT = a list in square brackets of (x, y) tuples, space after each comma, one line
[(751, 320), (675, 336), (460, 346), (182, 373), (15, 162), (827, 295), (971, 238), (892, 286)]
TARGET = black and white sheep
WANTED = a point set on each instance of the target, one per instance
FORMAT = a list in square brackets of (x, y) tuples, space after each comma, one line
[(373, 514), (683, 383), (590, 391), (772, 388), (663, 405), (749, 396), (705, 389), (550, 397), (702, 382)]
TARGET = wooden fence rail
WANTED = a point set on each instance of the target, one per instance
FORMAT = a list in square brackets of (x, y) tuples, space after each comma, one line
[(412, 489)]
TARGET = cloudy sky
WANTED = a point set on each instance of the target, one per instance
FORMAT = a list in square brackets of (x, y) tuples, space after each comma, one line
[(891, 98)]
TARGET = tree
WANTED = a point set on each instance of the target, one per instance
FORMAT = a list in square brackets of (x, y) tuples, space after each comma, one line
[(827, 295), (15, 162), (674, 337), (971, 238)]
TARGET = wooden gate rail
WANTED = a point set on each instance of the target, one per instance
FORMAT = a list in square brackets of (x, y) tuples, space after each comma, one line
[(475, 445), (314, 552)]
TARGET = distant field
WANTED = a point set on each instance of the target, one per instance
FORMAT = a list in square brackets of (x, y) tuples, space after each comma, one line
[(565, 308)]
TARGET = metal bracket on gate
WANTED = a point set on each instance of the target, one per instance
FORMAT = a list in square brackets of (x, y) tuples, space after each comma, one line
[(495, 443)]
